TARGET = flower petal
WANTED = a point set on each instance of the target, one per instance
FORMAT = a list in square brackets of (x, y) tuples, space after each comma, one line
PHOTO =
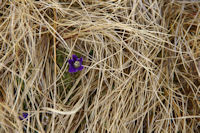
[(80, 68), (80, 60), (72, 69), (25, 115), (20, 118), (74, 58), (70, 61)]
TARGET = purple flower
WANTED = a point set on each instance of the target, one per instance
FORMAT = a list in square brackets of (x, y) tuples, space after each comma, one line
[(25, 115), (75, 64)]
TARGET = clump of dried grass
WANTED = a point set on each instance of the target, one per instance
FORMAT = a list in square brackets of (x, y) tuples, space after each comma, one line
[(141, 60)]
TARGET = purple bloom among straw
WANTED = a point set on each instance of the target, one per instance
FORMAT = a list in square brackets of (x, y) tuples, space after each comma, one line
[(25, 115), (75, 64)]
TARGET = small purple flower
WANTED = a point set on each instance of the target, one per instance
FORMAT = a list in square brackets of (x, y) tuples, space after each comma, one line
[(75, 64), (25, 115)]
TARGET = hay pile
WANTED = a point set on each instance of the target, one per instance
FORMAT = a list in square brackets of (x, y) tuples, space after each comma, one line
[(141, 66)]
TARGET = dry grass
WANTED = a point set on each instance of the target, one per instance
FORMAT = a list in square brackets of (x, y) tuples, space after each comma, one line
[(141, 66)]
